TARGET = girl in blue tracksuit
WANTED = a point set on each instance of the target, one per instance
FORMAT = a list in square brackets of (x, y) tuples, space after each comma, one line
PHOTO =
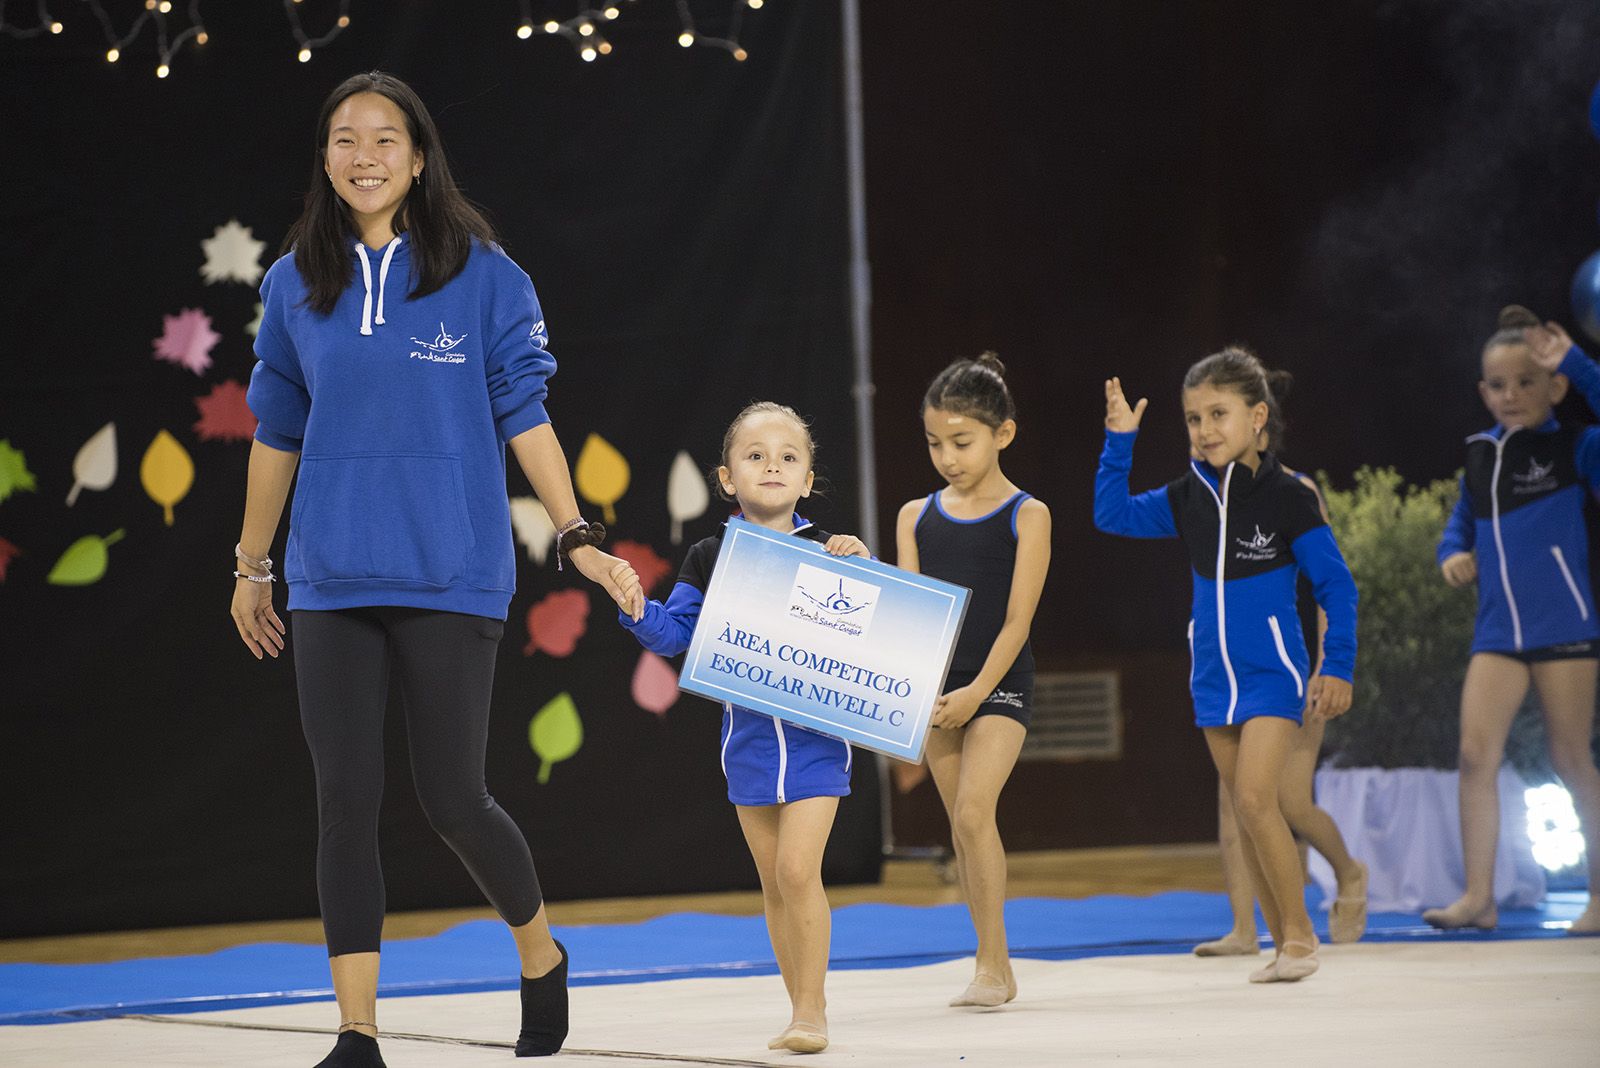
[(784, 780), (1250, 527), (1519, 531)]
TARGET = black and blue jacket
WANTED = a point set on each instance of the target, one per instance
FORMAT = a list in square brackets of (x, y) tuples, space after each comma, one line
[(1249, 535), (1521, 508)]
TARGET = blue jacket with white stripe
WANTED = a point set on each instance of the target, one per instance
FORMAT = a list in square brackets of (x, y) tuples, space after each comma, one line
[(1249, 535), (1521, 508)]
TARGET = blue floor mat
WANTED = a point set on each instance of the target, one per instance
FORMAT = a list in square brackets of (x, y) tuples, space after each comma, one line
[(479, 955)]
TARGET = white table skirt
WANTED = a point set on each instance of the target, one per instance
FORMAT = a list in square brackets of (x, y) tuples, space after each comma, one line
[(1404, 824)]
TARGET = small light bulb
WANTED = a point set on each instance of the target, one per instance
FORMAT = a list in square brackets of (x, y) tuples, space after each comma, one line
[(56, 27), (202, 37), (586, 28), (166, 7), (305, 54), (755, 5), (149, 5), (605, 48), (344, 22), (163, 70), (588, 54), (740, 54), (612, 12), (525, 31), (112, 55), (552, 26), (686, 38)]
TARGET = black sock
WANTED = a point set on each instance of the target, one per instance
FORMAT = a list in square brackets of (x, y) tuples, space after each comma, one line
[(353, 1050), (544, 1011)]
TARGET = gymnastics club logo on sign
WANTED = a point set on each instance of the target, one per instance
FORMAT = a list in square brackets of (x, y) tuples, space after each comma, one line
[(840, 604)]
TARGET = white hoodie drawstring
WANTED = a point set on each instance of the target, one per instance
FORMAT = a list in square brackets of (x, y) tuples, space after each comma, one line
[(366, 280)]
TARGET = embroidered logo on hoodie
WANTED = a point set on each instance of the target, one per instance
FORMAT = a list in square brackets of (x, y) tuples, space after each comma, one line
[(1259, 547), (441, 349), (1538, 478)]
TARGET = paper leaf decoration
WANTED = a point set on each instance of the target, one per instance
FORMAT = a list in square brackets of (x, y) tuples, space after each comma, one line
[(557, 622), (187, 340), (8, 553), (602, 474), (687, 495), (84, 562), (14, 473), (95, 466), (555, 732), (224, 415), (645, 561), (253, 327), (533, 527), (655, 684), (232, 255), (167, 472)]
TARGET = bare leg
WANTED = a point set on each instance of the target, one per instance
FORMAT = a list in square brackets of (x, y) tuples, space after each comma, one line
[(1490, 696), (989, 746), (803, 828), (1224, 745), (535, 947), (760, 826), (1242, 939), (355, 987), (1347, 918), (1566, 693)]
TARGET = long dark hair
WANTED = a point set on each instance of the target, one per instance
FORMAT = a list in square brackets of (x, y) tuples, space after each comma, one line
[(441, 221)]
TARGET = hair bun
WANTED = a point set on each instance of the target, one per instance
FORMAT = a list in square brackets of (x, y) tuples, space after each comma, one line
[(1516, 317), (991, 360), (1279, 382)]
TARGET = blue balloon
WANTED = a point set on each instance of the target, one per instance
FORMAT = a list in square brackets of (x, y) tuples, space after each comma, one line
[(1586, 296)]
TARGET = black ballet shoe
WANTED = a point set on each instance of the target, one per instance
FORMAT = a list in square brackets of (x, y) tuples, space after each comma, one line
[(353, 1050), (544, 1011)]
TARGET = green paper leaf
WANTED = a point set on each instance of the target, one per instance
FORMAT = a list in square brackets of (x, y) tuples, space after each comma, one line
[(14, 473), (555, 733), (84, 562)]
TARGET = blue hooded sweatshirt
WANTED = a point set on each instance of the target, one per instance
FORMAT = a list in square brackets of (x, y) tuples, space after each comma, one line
[(401, 410)]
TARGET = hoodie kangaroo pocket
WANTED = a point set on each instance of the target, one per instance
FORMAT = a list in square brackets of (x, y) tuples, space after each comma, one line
[(396, 517)]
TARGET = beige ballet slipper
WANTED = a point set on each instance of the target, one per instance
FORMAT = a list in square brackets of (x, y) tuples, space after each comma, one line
[(1347, 919)]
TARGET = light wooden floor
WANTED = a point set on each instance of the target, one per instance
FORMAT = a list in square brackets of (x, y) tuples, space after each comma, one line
[(1135, 870)]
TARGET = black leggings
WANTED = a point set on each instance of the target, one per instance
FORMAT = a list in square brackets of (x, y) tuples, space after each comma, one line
[(445, 666)]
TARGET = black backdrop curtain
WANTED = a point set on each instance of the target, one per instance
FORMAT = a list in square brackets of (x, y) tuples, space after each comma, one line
[(682, 216)]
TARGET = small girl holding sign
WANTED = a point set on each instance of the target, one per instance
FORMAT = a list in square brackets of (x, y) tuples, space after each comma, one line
[(984, 533), (784, 780)]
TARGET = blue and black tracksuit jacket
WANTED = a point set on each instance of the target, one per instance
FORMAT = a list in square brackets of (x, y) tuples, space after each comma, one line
[(1249, 535), (1521, 508)]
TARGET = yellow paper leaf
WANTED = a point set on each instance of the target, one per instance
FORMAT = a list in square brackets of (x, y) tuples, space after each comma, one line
[(167, 472), (603, 474)]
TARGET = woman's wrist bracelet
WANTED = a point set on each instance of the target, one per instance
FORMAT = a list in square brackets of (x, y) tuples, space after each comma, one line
[(263, 564), (268, 577), (575, 535)]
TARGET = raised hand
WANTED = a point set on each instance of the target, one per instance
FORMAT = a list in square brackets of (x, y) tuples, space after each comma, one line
[(1119, 417), (1547, 344), (1460, 569)]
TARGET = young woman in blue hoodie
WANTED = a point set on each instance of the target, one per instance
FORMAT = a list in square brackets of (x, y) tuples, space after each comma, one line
[(1249, 527), (1519, 532), (400, 352)]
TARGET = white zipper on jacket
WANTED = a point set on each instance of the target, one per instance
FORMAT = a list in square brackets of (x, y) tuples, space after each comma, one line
[(1566, 573), (1283, 654), (727, 739), (1494, 518), (1222, 559), (783, 757)]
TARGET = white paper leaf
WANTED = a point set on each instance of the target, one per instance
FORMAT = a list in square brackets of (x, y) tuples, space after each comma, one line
[(96, 464), (253, 327), (533, 527), (232, 255), (687, 495)]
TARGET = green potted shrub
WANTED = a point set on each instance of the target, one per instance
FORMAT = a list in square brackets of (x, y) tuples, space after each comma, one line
[(1389, 777)]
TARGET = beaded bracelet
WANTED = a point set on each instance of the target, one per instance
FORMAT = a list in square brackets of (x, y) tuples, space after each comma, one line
[(268, 577)]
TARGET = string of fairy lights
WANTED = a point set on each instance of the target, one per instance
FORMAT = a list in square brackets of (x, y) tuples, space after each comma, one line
[(172, 31)]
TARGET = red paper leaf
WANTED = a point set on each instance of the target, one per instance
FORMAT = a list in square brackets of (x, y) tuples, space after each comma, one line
[(8, 552), (655, 684), (649, 565), (557, 622), (224, 415)]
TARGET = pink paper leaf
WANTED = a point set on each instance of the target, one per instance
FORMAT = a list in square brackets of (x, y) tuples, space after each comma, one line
[(187, 340), (557, 622), (655, 684)]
